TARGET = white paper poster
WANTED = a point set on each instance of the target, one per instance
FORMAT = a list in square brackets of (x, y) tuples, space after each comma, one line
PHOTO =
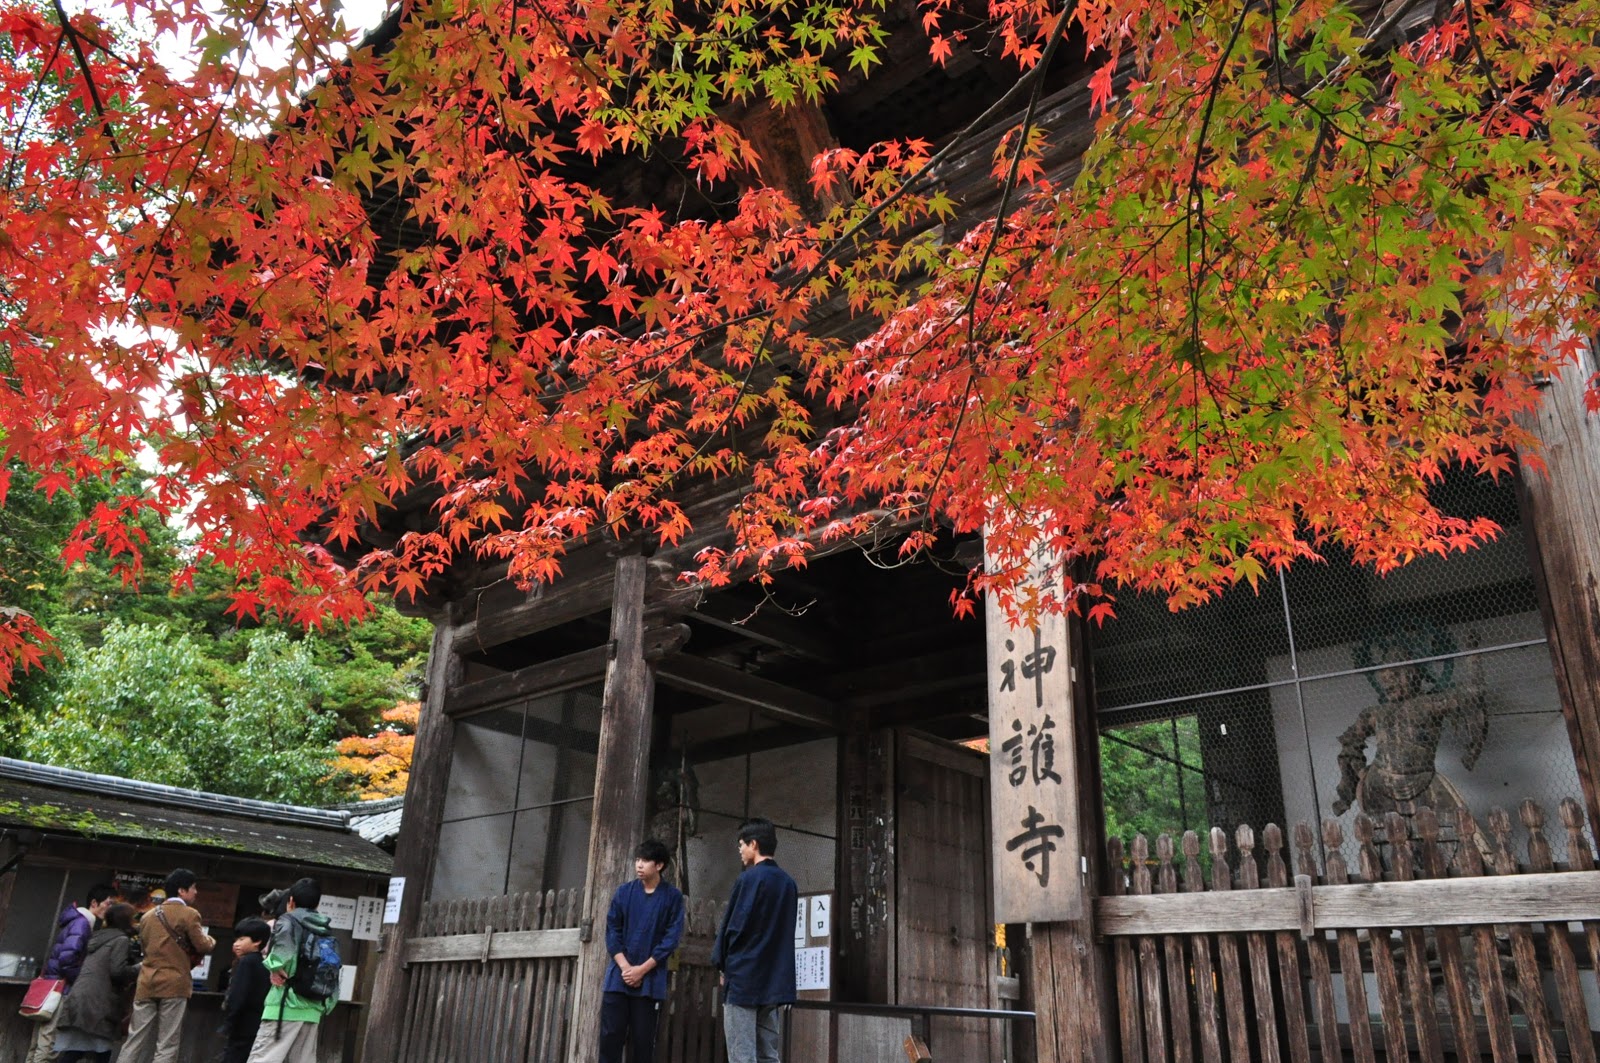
[(819, 916), (202, 970), (341, 911), (800, 924), (391, 906), (347, 982), (811, 968), (369, 919)]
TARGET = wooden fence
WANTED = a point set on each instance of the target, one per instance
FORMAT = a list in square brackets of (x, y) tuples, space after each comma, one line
[(691, 1031), (1437, 944), (491, 980)]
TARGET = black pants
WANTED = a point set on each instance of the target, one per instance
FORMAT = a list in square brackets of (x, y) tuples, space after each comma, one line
[(625, 1018)]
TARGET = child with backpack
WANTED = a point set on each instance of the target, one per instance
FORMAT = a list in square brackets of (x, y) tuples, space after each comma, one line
[(303, 963)]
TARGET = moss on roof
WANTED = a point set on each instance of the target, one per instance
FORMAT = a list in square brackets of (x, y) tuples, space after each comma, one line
[(51, 808)]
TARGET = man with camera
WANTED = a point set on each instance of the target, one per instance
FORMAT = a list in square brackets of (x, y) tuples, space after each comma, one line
[(174, 943)]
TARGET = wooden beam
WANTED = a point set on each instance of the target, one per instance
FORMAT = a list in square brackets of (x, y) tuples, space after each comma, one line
[(572, 670), (416, 847), (767, 624), (620, 789), (783, 703), (503, 945), (493, 623), (1554, 897), (743, 743), (1561, 510)]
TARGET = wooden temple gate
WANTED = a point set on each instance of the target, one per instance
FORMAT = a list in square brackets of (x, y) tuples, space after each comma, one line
[(495, 980), (1433, 946)]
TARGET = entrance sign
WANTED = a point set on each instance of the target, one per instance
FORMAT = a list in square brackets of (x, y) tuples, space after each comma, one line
[(813, 945), (1033, 777)]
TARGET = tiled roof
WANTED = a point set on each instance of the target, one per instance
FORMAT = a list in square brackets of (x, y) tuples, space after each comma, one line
[(61, 800), (377, 821)]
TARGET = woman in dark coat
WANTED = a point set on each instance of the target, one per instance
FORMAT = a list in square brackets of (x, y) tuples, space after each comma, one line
[(92, 1015)]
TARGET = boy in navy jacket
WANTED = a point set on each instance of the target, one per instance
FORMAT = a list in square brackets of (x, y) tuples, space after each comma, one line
[(755, 948), (642, 931), (247, 991)]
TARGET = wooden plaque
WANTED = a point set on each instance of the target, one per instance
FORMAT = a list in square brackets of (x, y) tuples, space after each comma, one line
[(1033, 776)]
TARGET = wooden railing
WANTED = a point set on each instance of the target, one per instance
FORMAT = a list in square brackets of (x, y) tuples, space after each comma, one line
[(1436, 944), (691, 1031), (491, 979)]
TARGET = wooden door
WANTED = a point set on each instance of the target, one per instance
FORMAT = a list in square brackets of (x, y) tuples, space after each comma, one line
[(945, 926)]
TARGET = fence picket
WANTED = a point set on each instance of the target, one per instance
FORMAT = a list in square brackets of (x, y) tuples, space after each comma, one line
[(1127, 967), (1177, 970), (1447, 945), (1355, 985), (1205, 975), (1523, 955), (1155, 1032), (1234, 1005), (1491, 988), (1289, 977), (1379, 944), (1256, 948), (1419, 978), (1563, 964), (1317, 955), (1581, 858)]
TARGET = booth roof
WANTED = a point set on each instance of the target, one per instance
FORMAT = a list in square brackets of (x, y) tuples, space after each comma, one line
[(377, 821), (54, 799)]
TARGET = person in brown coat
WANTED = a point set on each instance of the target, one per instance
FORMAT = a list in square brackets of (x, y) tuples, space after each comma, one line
[(173, 943)]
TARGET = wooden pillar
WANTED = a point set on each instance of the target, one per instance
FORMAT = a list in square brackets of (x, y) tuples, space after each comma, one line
[(621, 785), (1561, 516), (1046, 848), (1069, 977), (415, 848), (865, 915)]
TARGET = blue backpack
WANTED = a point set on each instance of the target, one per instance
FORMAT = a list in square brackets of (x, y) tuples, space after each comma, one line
[(317, 966)]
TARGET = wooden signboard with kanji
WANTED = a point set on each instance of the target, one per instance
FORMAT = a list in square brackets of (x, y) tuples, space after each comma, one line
[(1032, 770)]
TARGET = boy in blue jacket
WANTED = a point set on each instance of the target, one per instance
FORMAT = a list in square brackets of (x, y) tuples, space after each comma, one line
[(755, 948), (247, 991), (642, 930)]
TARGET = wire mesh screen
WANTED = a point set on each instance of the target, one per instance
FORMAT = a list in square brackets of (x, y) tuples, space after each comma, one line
[(1334, 691), (518, 807), (751, 772)]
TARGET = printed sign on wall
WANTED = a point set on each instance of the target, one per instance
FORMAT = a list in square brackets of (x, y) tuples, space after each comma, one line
[(813, 944), (341, 911), (391, 905), (369, 919)]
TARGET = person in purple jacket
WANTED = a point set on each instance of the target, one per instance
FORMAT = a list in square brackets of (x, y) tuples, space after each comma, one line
[(642, 930), (67, 954), (755, 948)]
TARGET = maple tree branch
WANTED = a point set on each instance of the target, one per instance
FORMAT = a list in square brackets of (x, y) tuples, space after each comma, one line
[(71, 35), (1001, 214), (1471, 19), (33, 102)]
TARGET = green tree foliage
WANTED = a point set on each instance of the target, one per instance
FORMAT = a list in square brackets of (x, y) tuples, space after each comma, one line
[(161, 683), (273, 741), (1153, 779), (142, 704), (150, 703)]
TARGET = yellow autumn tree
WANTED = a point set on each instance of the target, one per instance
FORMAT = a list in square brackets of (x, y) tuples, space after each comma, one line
[(381, 764)]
